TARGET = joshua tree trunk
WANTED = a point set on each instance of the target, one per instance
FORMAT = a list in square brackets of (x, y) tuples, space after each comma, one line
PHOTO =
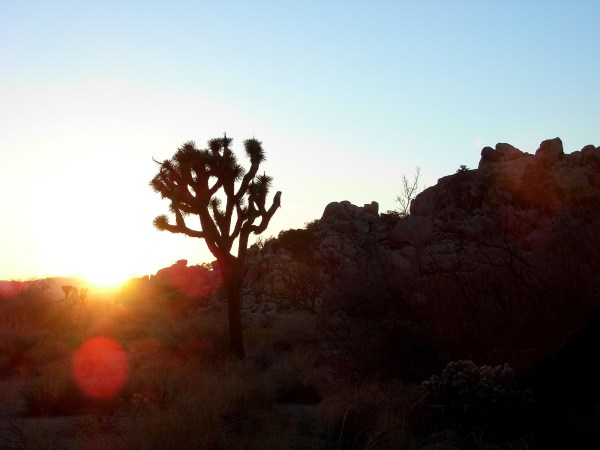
[(232, 280)]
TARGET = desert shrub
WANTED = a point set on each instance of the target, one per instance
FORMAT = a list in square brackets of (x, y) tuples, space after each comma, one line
[(178, 305), (289, 332), (297, 377), (145, 351), (53, 393), (12, 354), (206, 343), (312, 225), (29, 309), (41, 437), (202, 348), (299, 242), (479, 398), (151, 386), (372, 415), (25, 352), (224, 407), (126, 324), (47, 349), (261, 241)]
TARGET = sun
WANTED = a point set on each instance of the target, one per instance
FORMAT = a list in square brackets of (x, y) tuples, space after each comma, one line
[(95, 225), (105, 280), (108, 265)]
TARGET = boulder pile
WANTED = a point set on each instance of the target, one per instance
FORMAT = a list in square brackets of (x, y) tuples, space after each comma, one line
[(513, 196), (488, 252), (192, 281)]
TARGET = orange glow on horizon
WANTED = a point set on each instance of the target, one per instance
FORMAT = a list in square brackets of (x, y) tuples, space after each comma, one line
[(105, 282)]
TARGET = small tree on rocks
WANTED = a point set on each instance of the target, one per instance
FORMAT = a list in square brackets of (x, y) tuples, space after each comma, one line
[(229, 202), (409, 190)]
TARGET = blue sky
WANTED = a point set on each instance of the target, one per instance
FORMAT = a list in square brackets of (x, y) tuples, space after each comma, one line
[(346, 97)]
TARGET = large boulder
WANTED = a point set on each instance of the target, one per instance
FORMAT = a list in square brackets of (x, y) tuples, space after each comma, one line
[(412, 230), (193, 281), (550, 150), (507, 152)]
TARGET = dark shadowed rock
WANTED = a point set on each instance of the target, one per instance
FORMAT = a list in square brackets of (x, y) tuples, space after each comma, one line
[(550, 150), (336, 211), (591, 155), (192, 281), (507, 152), (489, 156), (372, 208), (412, 230), (476, 256)]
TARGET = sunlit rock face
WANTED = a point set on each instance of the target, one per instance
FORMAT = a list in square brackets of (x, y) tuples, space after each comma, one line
[(499, 262), (192, 281)]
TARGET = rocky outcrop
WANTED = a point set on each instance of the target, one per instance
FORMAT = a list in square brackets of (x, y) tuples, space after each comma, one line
[(194, 282), (477, 256), (294, 269), (523, 193)]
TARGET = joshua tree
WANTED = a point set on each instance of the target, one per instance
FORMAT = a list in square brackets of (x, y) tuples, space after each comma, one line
[(230, 203)]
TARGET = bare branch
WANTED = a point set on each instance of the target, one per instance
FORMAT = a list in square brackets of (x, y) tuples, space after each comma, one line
[(408, 191)]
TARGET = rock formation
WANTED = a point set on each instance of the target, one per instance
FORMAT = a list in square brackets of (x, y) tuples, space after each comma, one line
[(196, 283), (489, 252), (192, 281)]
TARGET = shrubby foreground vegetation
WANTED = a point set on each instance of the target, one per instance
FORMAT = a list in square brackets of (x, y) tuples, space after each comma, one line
[(182, 391)]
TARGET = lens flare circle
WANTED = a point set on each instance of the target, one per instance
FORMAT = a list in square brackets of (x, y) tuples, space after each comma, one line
[(100, 367)]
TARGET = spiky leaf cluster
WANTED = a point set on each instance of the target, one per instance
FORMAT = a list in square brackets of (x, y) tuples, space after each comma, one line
[(211, 184)]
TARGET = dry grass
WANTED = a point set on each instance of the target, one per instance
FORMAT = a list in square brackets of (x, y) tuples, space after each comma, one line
[(219, 408), (40, 435), (298, 377), (183, 392), (373, 415)]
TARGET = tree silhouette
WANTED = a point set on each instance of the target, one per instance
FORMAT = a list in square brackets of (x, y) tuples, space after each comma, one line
[(408, 192), (230, 203)]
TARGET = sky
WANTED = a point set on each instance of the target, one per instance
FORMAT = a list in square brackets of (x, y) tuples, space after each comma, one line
[(346, 96)]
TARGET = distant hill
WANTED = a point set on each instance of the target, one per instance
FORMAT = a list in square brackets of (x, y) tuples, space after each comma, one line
[(53, 286)]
